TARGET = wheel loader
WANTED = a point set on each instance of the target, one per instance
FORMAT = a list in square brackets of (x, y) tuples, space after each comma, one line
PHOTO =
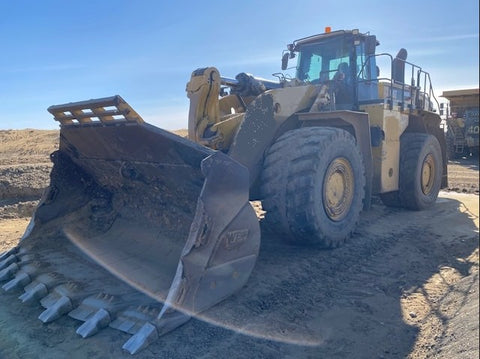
[(141, 229)]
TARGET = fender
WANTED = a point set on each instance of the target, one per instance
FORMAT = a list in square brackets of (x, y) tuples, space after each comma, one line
[(263, 122)]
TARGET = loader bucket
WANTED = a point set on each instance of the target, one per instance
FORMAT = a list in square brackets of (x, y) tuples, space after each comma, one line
[(139, 229)]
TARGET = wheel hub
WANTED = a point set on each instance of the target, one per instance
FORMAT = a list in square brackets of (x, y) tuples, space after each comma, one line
[(428, 174), (338, 189)]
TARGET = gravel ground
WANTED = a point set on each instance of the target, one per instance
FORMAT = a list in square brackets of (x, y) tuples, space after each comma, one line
[(405, 285)]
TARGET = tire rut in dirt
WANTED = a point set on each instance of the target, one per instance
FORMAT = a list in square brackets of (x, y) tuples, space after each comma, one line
[(321, 280)]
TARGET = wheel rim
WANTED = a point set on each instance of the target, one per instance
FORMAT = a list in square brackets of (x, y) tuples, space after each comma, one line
[(338, 189), (428, 174)]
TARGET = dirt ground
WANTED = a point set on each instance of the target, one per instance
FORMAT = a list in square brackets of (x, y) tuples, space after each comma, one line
[(405, 286)]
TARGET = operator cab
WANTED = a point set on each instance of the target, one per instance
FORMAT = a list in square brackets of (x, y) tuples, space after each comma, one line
[(341, 60), (345, 62)]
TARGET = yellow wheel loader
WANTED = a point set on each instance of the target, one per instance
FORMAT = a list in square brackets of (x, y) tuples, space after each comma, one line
[(141, 229)]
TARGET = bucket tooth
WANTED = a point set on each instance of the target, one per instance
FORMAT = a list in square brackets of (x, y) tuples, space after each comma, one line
[(97, 321), (111, 303), (8, 253), (145, 326), (92, 304), (13, 261), (20, 280), (8, 260), (98, 311), (55, 311), (146, 335), (36, 292), (8, 272), (61, 300), (132, 319), (24, 275), (71, 290), (39, 287)]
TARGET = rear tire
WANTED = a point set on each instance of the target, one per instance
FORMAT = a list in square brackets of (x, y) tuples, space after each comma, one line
[(420, 172), (313, 185)]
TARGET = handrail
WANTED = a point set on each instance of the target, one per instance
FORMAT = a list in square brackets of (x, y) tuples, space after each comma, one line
[(415, 84)]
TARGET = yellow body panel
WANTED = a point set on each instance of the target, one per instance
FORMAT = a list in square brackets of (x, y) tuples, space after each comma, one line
[(214, 121), (227, 128), (289, 100), (386, 157)]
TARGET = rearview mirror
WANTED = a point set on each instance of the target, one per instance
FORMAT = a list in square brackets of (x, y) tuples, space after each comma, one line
[(370, 44), (285, 57)]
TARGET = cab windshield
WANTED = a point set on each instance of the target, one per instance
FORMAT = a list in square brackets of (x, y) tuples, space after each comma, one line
[(320, 61)]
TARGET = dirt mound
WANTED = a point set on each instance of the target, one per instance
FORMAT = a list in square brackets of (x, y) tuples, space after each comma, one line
[(24, 181), (27, 146), (24, 168)]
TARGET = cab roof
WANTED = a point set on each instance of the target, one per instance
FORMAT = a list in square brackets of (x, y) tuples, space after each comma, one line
[(325, 35)]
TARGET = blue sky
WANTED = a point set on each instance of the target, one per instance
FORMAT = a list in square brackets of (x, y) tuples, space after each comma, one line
[(61, 51)]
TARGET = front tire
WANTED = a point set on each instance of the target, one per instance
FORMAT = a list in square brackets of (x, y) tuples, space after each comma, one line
[(313, 185)]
